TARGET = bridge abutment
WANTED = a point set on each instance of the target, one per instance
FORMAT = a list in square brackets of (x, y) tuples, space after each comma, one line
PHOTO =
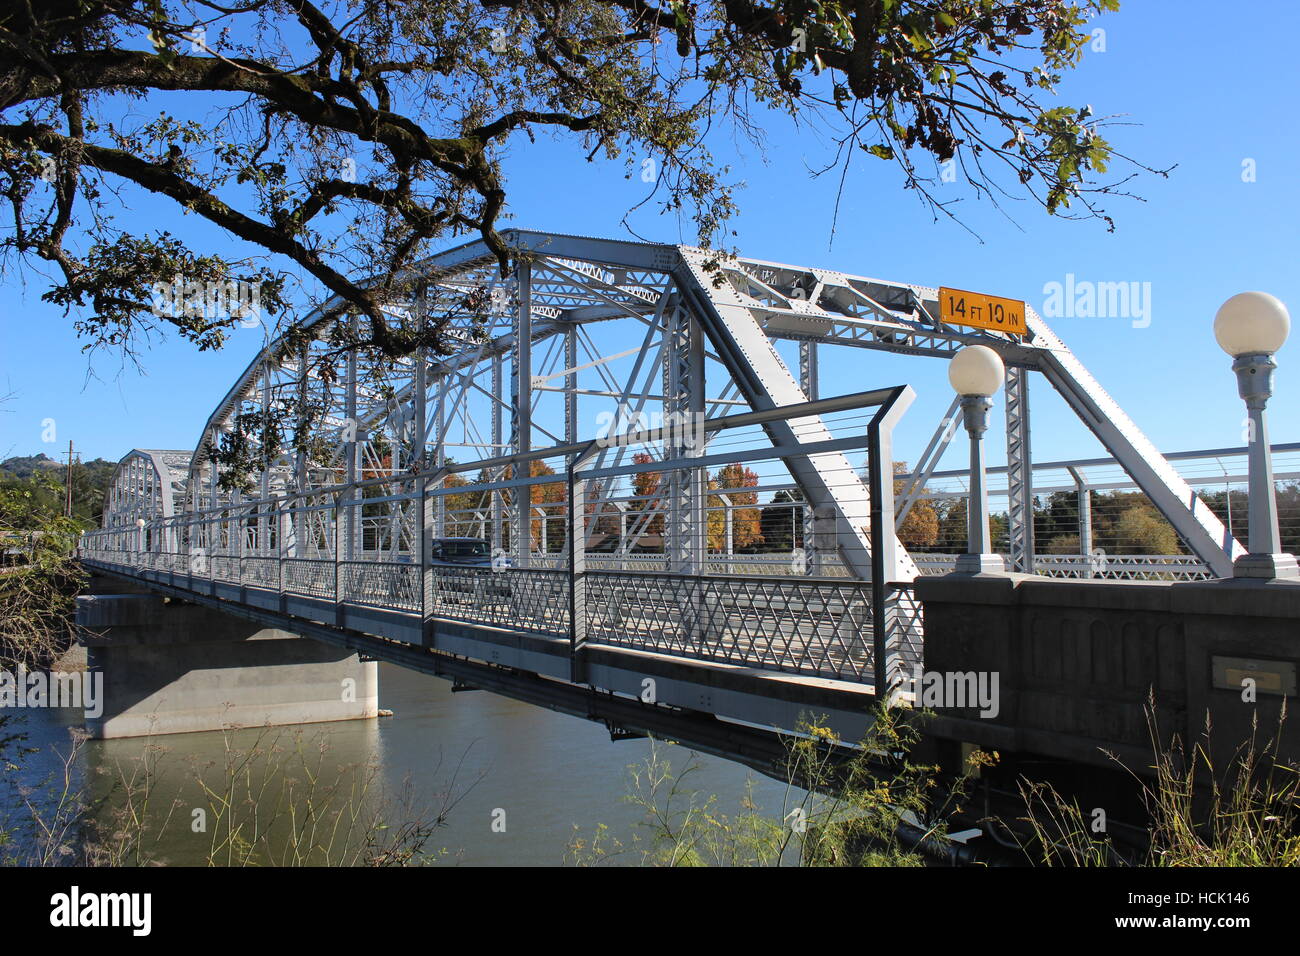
[(170, 667), (1083, 665)]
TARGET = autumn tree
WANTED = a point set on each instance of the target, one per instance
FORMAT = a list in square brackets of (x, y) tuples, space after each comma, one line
[(550, 504), (1061, 544), (746, 526), (462, 507), (920, 528), (646, 512)]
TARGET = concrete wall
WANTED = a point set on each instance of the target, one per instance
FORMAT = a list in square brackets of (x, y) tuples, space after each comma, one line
[(170, 667), (1077, 661)]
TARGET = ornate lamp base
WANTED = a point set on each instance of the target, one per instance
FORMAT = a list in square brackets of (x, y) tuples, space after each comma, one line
[(1266, 566)]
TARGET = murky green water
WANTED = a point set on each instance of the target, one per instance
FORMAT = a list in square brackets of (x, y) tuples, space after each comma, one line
[(514, 780)]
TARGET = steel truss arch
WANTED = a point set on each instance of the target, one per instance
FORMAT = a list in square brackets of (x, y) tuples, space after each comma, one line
[(579, 326)]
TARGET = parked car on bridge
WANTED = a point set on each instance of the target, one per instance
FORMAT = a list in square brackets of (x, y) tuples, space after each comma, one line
[(471, 553), (468, 552)]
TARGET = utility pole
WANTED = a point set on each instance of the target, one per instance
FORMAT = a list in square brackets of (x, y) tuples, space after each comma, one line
[(67, 510)]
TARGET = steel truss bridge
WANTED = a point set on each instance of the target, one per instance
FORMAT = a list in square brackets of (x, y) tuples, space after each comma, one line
[(608, 416)]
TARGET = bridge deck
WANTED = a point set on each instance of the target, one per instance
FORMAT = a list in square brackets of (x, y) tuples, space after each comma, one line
[(765, 651)]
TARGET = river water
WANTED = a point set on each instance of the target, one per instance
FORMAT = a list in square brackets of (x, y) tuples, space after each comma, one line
[(514, 780)]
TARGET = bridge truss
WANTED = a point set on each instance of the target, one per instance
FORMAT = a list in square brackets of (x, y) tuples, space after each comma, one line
[(147, 484), (585, 334), (602, 368)]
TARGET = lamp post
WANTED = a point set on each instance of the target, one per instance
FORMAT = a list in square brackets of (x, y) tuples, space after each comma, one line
[(976, 373), (1250, 327)]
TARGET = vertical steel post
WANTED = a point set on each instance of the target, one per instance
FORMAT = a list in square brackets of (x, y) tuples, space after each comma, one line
[(887, 621), (337, 532), (570, 411), (498, 473), (300, 457), (881, 531), (419, 444), (571, 385), (212, 471), (1083, 495), (577, 501), (353, 531), (427, 581), (685, 488), (1020, 490), (672, 488), (810, 384), (440, 453), (692, 438), (264, 524), (521, 401), (729, 524)]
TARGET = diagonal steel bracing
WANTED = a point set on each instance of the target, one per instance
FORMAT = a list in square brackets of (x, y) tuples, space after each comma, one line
[(653, 320)]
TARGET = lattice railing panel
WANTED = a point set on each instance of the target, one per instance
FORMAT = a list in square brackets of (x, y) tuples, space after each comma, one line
[(817, 628), (260, 572), (907, 629), (224, 567), (381, 584), (309, 578), (533, 599)]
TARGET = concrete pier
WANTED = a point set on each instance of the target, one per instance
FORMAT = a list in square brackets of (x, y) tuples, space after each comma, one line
[(170, 667)]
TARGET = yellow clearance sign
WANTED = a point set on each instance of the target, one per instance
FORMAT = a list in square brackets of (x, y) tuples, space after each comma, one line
[(958, 307)]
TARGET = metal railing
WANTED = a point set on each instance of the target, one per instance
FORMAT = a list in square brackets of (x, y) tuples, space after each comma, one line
[(531, 599), (1123, 567), (814, 627), (785, 624), (367, 547)]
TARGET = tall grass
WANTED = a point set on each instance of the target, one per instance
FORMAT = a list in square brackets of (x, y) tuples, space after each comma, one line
[(856, 812), (1246, 813), (834, 812)]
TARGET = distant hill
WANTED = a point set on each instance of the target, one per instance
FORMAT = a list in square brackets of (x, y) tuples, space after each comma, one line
[(24, 466), (90, 480)]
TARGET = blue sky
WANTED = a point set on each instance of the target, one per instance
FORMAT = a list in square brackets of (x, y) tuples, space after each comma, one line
[(1206, 91)]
